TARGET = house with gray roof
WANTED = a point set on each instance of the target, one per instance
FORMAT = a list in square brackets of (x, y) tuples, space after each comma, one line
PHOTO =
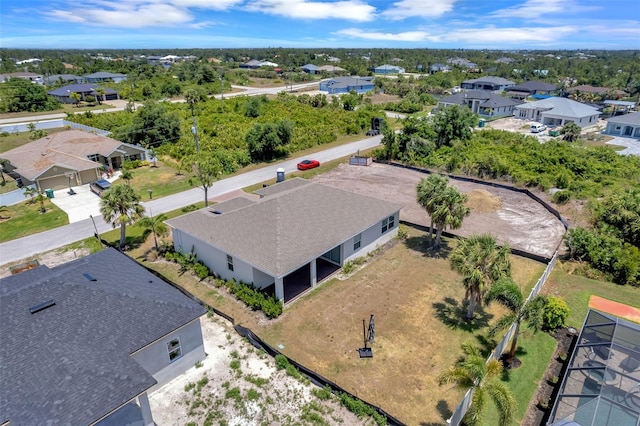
[(531, 88), (85, 342), (290, 239), (68, 158), (482, 102), (63, 79), (557, 111), (345, 84), (490, 83), (627, 125), (310, 68), (29, 76), (103, 76), (63, 94), (388, 69)]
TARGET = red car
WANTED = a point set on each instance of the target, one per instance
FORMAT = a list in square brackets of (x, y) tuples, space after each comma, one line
[(308, 164)]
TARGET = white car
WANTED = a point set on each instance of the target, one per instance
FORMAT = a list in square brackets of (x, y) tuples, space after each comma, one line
[(537, 128)]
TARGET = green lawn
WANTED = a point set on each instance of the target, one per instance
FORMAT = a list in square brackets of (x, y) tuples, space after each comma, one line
[(25, 219), (577, 290), (163, 180), (535, 352)]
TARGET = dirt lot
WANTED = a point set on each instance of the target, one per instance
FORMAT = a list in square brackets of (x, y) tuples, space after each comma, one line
[(513, 218)]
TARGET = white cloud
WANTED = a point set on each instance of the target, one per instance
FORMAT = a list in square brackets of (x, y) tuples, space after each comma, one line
[(533, 9), (374, 35), (418, 8), (350, 10)]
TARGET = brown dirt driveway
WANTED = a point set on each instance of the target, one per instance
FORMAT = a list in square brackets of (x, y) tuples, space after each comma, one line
[(513, 218)]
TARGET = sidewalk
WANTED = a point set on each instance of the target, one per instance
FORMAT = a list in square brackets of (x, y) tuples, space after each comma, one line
[(31, 245)]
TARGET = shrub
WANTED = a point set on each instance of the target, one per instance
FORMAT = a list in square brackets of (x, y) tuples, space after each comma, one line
[(561, 197), (555, 313), (323, 394), (281, 362)]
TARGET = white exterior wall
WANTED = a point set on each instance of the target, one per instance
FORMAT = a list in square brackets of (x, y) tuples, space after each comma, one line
[(262, 280), (214, 258), (371, 239), (155, 357)]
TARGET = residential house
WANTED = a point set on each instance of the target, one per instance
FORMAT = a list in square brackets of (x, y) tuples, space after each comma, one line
[(494, 84), (435, 68), (339, 85), (557, 111), (464, 63), (68, 158), (388, 69), (310, 69), (505, 60), (627, 125), (482, 102), (331, 69), (333, 59), (63, 94), (104, 77), (29, 76), (85, 342), (29, 61), (294, 236), (532, 88), (255, 64), (601, 385), (601, 91), (52, 80)]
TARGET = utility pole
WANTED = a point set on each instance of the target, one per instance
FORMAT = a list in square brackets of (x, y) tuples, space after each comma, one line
[(194, 130)]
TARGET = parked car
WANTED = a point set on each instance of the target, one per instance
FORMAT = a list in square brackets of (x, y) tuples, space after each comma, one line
[(99, 186), (308, 164), (537, 128)]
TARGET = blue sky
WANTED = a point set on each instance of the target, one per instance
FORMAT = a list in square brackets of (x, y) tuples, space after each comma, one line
[(474, 24)]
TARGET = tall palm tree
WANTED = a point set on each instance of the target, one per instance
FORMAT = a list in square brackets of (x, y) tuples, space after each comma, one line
[(31, 192), (120, 205), (450, 211), (473, 371), (156, 224), (100, 94), (127, 175), (481, 263), (428, 192), (508, 294)]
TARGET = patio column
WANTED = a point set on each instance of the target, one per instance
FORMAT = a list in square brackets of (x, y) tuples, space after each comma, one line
[(314, 273), (145, 409), (280, 288)]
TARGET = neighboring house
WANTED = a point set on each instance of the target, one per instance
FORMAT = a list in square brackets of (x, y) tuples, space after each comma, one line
[(482, 102), (463, 63), (558, 112), (255, 64), (620, 107), (102, 77), (490, 83), (439, 68), (63, 94), (86, 342), (333, 59), (29, 61), (347, 84), (310, 69), (601, 385), (68, 158), (63, 79), (330, 68), (627, 125), (532, 88), (505, 60), (298, 233), (388, 69), (30, 76)]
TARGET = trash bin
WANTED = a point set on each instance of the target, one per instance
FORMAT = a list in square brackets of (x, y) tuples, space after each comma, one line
[(481, 123), (49, 193)]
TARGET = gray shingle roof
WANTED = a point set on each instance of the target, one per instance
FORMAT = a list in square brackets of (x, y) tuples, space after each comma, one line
[(104, 74), (71, 363), (490, 100), (561, 107), (492, 80), (633, 119), (532, 86), (283, 231), (80, 88)]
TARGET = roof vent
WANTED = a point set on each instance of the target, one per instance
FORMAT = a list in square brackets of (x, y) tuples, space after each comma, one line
[(42, 306), (89, 277)]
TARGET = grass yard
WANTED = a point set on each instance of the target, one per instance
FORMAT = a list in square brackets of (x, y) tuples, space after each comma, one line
[(419, 328), (24, 219), (162, 180), (577, 290), (14, 140), (535, 352)]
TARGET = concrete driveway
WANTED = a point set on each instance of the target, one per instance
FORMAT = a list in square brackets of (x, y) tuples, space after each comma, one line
[(79, 206), (632, 145)]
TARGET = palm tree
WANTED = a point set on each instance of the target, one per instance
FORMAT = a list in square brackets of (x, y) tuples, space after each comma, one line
[(481, 263), (40, 198), (120, 205), (508, 294), (76, 97), (100, 94), (127, 175), (3, 164), (428, 191), (153, 153), (31, 192), (449, 212), (156, 224), (483, 377), (571, 132)]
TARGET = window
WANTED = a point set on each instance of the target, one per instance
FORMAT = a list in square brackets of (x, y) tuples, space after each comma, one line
[(230, 262), (93, 157), (391, 222), (357, 240), (175, 351), (385, 225)]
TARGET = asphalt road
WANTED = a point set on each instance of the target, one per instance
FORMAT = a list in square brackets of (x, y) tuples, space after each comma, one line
[(25, 247)]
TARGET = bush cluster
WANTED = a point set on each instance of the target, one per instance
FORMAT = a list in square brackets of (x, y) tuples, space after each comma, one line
[(253, 297), (188, 262), (361, 409), (555, 313)]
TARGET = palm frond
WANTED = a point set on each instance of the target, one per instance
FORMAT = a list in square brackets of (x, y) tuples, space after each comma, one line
[(504, 400)]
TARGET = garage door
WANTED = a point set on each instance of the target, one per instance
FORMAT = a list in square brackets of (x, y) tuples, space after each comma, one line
[(54, 182)]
